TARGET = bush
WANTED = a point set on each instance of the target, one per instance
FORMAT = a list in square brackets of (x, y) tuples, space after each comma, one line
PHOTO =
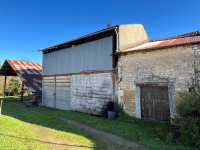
[(122, 116), (190, 132), (188, 118), (189, 105)]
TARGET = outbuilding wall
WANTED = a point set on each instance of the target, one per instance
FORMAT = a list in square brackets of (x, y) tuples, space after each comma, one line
[(65, 86), (95, 55), (172, 67), (92, 93)]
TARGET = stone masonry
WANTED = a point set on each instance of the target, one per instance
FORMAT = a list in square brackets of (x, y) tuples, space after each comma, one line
[(92, 93), (173, 67)]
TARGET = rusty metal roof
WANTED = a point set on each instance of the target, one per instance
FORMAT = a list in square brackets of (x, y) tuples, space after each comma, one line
[(190, 34), (29, 73), (167, 42)]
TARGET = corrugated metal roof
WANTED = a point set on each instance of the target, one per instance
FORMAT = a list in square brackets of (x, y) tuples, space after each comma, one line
[(165, 43), (190, 34), (74, 42), (29, 73)]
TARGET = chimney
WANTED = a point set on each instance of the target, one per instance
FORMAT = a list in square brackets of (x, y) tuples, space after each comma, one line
[(108, 25)]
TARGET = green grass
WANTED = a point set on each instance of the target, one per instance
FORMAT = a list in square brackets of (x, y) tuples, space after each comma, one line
[(31, 128), (17, 98), (15, 134), (153, 135), (21, 129)]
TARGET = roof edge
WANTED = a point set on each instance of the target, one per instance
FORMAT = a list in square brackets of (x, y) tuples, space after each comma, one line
[(97, 32), (189, 34), (155, 48)]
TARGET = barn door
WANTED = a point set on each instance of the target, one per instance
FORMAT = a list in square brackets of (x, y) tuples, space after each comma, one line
[(155, 103), (56, 92), (48, 91), (63, 93)]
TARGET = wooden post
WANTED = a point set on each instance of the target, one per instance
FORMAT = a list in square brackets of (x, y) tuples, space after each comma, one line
[(1, 106), (55, 92), (113, 75), (5, 87), (22, 93)]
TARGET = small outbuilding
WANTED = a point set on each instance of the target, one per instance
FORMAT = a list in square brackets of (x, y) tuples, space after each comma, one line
[(153, 73), (29, 73), (89, 73), (81, 74)]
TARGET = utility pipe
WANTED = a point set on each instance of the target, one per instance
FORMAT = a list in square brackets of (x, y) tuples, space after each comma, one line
[(117, 39)]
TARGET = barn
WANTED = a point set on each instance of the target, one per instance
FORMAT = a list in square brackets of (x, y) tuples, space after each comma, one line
[(152, 74), (81, 74), (28, 72)]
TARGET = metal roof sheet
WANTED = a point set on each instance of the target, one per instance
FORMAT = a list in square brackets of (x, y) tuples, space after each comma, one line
[(29, 73), (72, 42), (165, 43), (190, 34)]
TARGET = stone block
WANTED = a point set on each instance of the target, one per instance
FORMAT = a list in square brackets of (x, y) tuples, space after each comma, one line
[(120, 92), (195, 48)]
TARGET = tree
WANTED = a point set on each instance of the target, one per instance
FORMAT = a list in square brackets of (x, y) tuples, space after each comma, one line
[(14, 85), (1, 81), (25, 59)]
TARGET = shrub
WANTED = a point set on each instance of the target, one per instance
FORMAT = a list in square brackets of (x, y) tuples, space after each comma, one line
[(190, 132), (188, 118), (188, 106), (122, 116)]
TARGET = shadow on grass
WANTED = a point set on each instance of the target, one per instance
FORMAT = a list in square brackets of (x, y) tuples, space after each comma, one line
[(17, 137), (27, 114)]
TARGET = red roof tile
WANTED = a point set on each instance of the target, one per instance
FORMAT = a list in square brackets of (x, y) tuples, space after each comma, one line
[(29, 73)]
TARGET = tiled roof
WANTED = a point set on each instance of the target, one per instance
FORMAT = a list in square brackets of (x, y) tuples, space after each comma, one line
[(29, 73), (189, 38)]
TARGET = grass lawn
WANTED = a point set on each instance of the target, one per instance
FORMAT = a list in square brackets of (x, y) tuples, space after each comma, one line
[(15, 134), (152, 135), (17, 98), (21, 128)]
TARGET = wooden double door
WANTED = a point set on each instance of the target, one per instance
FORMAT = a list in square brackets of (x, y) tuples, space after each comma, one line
[(155, 103)]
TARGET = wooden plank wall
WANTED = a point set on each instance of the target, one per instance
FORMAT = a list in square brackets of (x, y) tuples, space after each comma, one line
[(56, 92), (63, 92), (48, 91)]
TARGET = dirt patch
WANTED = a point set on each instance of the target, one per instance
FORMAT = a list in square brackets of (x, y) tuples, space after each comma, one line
[(113, 141), (55, 142), (103, 140)]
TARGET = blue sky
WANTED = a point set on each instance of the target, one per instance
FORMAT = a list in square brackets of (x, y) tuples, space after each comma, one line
[(28, 25)]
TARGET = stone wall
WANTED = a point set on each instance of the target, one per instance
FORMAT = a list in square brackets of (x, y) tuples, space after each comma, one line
[(172, 67), (92, 93)]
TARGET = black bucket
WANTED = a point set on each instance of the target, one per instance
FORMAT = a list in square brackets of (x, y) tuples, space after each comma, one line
[(112, 114)]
